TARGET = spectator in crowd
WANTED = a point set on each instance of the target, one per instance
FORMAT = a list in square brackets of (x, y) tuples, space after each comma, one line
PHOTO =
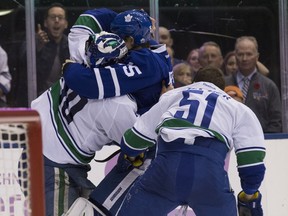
[(5, 78), (229, 65), (260, 93), (210, 54), (234, 92), (262, 68), (171, 54), (166, 38), (51, 52), (193, 60), (51, 47), (193, 139), (183, 74)]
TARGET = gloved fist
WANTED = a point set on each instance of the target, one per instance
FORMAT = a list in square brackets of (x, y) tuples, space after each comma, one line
[(136, 161), (125, 163), (249, 206)]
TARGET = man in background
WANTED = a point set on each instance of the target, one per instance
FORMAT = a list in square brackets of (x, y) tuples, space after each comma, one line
[(51, 52), (51, 47), (5, 77), (210, 54), (260, 93), (166, 38)]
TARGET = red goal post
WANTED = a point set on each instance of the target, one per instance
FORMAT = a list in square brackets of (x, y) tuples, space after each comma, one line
[(21, 163)]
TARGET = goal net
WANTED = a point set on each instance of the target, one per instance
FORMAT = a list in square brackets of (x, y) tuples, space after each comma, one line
[(21, 163)]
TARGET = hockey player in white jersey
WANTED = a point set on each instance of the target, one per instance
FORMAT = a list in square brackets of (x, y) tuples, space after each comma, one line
[(66, 151), (74, 128), (143, 63), (194, 128)]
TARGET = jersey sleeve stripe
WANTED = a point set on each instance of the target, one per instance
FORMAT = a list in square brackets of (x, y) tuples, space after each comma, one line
[(89, 22), (133, 143), (99, 83), (65, 138), (115, 81), (251, 157)]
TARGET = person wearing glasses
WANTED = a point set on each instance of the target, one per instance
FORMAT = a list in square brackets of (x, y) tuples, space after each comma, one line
[(51, 46)]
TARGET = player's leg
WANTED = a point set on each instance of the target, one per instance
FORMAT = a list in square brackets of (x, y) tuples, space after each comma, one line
[(110, 192), (63, 185), (153, 193), (211, 193), (57, 192)]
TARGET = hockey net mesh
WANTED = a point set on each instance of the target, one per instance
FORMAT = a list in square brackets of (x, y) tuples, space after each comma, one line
[(21, 163), (15, 169)]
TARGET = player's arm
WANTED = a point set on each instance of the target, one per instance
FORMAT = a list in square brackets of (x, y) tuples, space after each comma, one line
[(249, 199), (109, 81), (122, 114), (143, 133), (250, 153)]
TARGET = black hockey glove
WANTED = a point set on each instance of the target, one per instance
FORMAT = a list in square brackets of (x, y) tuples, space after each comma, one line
[(251, 207)]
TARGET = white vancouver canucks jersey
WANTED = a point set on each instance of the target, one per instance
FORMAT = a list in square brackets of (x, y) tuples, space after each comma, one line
[(74, 128), (210, 113)]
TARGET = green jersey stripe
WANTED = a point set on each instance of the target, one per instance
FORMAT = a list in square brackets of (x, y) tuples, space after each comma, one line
[(88, 21), (136, 141), (182, 123), (250, 157), (61, 131)]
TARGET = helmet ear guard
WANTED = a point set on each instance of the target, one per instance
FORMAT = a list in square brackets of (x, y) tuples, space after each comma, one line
[(134, 23), (104, 48)]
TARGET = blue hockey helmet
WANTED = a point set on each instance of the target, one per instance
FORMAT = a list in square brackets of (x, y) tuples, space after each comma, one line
[(104, 48), (133, 23)]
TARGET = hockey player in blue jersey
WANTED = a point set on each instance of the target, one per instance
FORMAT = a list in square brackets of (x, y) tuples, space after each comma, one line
[(142, 69), (135, 71), (66, 153), (134, 26), (194, 128)]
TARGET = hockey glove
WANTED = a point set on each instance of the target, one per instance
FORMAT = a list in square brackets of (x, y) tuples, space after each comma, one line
[(125, 163), (136, 161), (251, 207), (65, 64)]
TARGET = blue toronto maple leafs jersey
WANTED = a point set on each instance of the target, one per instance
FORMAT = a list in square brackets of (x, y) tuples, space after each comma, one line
[(140, 73)]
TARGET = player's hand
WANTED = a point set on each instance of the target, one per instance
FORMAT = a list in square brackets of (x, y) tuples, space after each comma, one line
[(125, 163), (166, 88), (42, 37), (250, 205), (67, 62)]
